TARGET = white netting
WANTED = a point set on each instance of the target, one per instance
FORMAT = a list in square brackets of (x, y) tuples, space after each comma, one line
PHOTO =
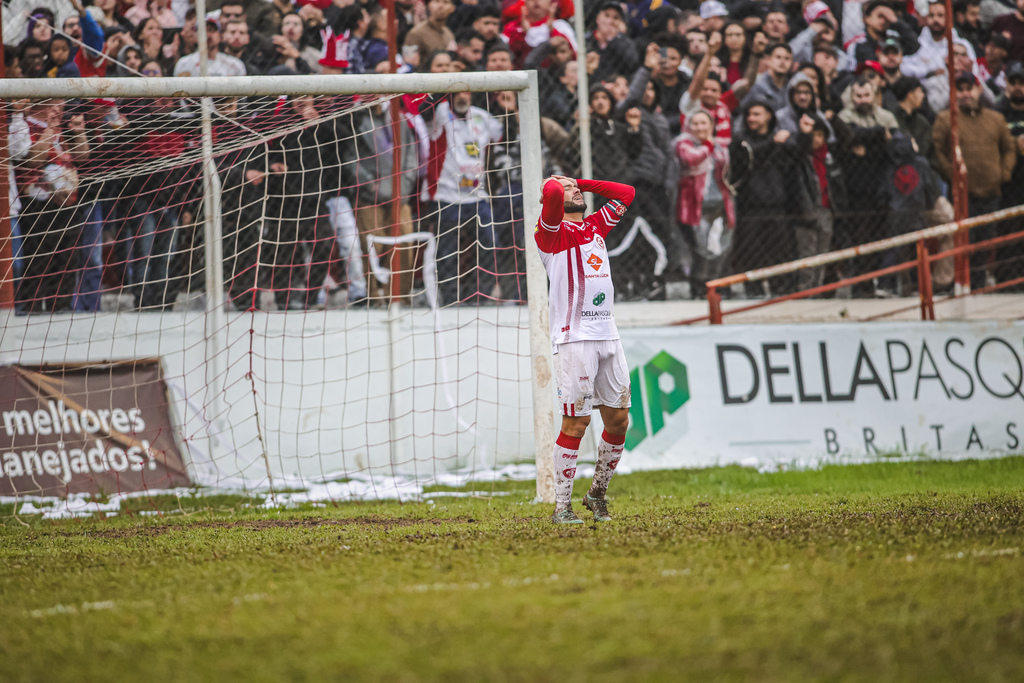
[(357, 336)]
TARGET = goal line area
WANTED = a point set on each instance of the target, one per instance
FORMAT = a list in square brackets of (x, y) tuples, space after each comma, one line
[(264, 284)]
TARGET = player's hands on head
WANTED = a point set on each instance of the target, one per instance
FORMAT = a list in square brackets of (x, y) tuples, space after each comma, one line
[(566, 181)]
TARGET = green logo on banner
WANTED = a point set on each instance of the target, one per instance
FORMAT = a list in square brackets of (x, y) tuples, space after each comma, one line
[(652, 400), (599, 299)]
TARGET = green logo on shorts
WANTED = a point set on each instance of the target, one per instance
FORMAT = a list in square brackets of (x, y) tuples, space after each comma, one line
[(599, 299), (652, 400)]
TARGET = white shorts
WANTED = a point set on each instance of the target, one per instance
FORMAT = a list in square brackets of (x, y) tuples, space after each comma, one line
[(591, 373)]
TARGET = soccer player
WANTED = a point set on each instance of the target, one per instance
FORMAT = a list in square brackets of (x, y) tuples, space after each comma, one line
[(589, 362)]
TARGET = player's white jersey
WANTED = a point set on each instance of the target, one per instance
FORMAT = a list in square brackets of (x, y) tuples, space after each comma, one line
[(457, 162), (580, 292)]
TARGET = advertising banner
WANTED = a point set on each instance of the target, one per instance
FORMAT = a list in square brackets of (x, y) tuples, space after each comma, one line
[(764, 395), (90, 428)]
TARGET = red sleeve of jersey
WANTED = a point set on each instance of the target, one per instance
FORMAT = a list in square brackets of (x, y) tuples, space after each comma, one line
[(611, 190), (553, 201), (729, 100)]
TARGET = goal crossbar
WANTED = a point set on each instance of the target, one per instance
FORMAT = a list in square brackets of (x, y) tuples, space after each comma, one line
[(252, 86)]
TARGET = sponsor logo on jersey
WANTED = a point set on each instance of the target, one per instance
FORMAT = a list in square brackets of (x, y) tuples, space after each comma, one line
[(473, 150), (597, 314), (599, 299), (595, 262)]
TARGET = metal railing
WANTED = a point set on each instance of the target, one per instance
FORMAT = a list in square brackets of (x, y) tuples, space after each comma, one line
[(922, 263)]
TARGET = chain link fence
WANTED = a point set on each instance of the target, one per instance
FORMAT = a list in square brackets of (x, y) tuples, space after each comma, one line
[(754, 133)]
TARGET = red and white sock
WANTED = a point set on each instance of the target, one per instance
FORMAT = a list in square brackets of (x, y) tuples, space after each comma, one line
[(567, 449), (608, 453)]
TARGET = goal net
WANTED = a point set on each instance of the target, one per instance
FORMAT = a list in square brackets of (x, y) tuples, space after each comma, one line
[(312, 287)]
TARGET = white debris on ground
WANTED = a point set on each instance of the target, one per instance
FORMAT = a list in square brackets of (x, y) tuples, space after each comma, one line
[(361, 488)]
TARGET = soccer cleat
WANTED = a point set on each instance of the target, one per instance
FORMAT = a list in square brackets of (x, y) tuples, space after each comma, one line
[(566, 516), (599, 506)]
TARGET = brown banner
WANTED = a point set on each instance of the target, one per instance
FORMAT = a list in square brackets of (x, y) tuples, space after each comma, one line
[(97, 428)]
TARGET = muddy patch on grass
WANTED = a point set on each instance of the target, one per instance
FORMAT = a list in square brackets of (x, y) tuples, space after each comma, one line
[(260, 525)]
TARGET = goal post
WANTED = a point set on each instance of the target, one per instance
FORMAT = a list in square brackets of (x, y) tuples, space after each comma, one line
[(240, 355)]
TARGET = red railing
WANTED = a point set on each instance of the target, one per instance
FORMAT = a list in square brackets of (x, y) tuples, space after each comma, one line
[(922, 263)]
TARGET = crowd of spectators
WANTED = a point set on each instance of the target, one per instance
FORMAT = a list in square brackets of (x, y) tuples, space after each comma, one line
[(755, 133)]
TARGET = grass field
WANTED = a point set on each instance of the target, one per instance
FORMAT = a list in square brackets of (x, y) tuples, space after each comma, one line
[(893, 571)]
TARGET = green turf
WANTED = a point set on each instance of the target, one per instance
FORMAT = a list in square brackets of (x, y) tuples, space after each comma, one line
[(891, 571)]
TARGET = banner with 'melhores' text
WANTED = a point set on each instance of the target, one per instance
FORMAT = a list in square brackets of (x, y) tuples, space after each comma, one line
[(96, 428)]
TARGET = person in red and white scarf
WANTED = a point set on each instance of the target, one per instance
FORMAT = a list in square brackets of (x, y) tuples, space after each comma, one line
[(536, 25)]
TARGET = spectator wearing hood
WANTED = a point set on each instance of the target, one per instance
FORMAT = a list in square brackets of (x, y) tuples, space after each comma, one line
[(61, 65), (762, 157), (826, 191), (911, 190), (801, 100), (609, 139), (815, 169), (651, 172)]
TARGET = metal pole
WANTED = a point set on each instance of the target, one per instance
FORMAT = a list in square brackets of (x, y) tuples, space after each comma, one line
[(924, 282), (396, 263), (396, 159), (583, 93), (247, 86), (537, 285), (6, 247), (714, 306), (212, 228), (213, 256), (960, 207)]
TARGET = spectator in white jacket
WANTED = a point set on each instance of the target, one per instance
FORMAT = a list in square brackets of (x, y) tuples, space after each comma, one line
[(928, 64)]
